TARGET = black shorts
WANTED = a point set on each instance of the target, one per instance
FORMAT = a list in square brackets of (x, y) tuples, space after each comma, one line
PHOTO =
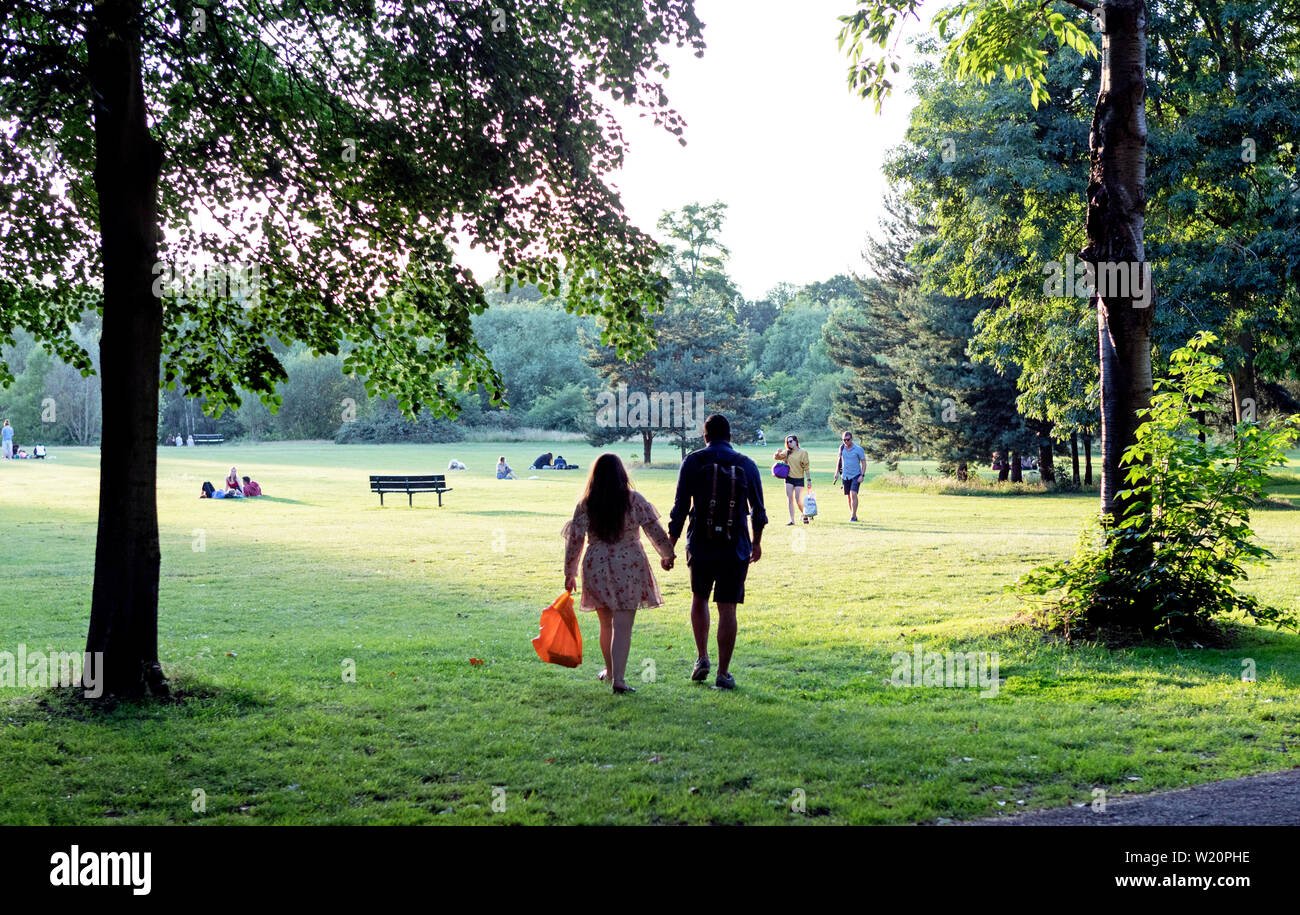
[(795, 481), (724, 577), (852, 485)]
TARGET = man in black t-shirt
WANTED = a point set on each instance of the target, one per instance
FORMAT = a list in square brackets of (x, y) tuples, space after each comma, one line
[(718, 551)]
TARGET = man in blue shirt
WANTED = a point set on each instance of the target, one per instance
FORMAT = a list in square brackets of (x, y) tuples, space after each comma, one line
[(852, 463), (720, 562)]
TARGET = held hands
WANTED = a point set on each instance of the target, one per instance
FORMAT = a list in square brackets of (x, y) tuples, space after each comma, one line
[(667, 562), (570, 582)]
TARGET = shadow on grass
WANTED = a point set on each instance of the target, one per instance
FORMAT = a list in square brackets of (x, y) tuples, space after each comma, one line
[(1022, 647), (189, 699)]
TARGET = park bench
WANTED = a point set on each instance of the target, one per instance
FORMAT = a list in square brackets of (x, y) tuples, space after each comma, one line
[(408, 484), (209, 439)]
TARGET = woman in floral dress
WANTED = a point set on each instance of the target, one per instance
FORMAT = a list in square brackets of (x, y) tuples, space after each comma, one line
[(616, 575)]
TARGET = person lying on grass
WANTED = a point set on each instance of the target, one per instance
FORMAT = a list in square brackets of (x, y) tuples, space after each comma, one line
[(616, 575)]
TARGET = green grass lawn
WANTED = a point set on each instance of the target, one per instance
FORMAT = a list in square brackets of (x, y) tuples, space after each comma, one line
[(264, 599)]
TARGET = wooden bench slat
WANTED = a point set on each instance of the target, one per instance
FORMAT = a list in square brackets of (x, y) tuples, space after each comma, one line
[(409, 484)]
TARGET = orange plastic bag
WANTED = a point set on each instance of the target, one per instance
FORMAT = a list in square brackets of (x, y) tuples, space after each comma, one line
[(560, 641)]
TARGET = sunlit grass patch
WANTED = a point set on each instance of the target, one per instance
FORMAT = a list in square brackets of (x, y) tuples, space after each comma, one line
[(263, 602)]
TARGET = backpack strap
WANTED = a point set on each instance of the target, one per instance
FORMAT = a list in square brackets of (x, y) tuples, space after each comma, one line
[(731, 509), (713, 501)]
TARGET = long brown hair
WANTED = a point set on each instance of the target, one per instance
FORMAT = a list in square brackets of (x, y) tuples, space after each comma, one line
[(607, 498)]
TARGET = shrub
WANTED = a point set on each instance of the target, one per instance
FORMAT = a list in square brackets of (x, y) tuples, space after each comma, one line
[(562, 409), (1169, 565), (385, 423)]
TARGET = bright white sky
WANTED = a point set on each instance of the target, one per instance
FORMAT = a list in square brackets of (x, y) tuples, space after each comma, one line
[(773, 132)]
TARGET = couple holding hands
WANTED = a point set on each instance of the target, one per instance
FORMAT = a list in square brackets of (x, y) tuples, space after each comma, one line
[(720, 491)]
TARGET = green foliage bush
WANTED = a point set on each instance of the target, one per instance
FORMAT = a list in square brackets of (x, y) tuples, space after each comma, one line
[(1168, 567), (562, 409), (384, 422)]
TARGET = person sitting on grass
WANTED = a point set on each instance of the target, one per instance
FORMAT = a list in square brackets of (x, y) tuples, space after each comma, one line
[(233, 488), (251, 487), (616, 575), (503, 469), (543, 462)]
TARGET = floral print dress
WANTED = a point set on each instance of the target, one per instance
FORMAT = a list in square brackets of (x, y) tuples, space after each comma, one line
[(617, 576)]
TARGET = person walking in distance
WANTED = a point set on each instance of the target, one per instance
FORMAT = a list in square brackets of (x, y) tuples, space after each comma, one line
[(7, 437), (849, 469), (800, 475), (721, 492)]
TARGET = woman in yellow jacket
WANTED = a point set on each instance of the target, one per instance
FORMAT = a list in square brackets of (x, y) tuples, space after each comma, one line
[(800, 474)]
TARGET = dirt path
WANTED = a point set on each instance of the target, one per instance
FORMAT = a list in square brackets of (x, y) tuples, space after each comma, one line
[(1260, 800)]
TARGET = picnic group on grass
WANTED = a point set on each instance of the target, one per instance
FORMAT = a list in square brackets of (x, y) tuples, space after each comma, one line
[(234, 488), (11, 452)]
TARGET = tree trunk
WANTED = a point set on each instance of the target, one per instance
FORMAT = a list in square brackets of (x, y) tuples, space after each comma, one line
[(1087, 459), (1046, 461), (1074, 456), (963, 472), (1245, 396), (1115, 223), (1004, 466), (124, 602), (647, 440), (1017, 470)]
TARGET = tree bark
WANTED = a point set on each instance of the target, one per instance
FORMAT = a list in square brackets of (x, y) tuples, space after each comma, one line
[(1087, 459), (647, 440), (124, 602), (1074, 456), (1004, 466), (1115, 223), (1245, 394), (1017, 470), (1046, 462)]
